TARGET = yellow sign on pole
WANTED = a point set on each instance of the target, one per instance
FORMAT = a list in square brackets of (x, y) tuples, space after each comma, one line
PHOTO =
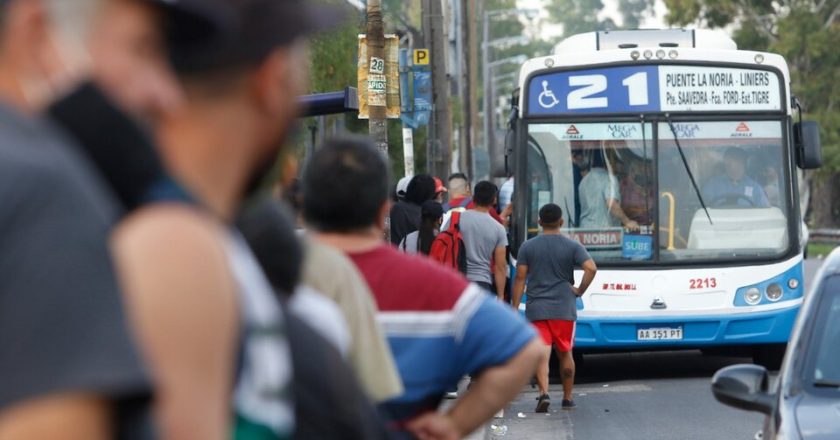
[(421, 57), (379, 82)]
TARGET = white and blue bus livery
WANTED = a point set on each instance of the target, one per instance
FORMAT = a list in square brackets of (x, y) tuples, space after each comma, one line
[(674, 157)]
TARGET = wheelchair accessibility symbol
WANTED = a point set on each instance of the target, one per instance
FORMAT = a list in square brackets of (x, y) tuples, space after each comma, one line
[(547, 99)]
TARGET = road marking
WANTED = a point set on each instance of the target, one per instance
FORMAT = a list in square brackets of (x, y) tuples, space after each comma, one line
[(613, 389)]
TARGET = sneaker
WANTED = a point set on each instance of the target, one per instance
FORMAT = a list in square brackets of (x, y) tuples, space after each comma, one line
[(568, 404), (542, 404)]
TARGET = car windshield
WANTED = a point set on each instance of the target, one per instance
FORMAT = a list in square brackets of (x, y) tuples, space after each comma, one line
[(826, 357), (698, 190)]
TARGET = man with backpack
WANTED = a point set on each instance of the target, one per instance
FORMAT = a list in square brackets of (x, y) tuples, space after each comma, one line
[(547, 264), (485, 241)]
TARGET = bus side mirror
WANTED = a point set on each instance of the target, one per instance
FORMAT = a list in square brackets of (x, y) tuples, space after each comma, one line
[(806, 137), (510, 140)]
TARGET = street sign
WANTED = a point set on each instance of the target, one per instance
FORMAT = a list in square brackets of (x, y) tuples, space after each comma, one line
[(421, 57)]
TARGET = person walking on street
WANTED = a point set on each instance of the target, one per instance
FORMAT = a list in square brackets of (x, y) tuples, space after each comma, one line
[(546, 264), (440, 190), (405, 214), (439, 326), (459, 193), (485, 241), (420, 241)]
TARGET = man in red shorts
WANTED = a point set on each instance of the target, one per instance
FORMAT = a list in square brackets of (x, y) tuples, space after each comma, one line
[(547, 263)]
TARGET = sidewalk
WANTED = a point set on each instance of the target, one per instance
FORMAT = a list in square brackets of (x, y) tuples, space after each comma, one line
[(521, 422)]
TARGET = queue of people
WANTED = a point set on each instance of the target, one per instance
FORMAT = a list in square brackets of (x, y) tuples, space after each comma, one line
[(149, 288)]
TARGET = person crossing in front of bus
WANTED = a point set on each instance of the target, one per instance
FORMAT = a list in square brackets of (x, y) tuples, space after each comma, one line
[(735, 187), (546, 264)]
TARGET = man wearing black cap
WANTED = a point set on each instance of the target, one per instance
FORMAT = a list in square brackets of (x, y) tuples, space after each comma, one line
[(183, 265), (68, 366)]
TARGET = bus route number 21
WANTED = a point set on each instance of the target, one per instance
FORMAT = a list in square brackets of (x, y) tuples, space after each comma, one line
[(702, 283), (586, 87)]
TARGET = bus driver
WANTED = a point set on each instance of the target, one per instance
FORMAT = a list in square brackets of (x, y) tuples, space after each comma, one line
[(735, 188)]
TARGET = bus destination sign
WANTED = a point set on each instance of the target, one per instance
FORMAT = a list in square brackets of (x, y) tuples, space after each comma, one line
[(673, 88)]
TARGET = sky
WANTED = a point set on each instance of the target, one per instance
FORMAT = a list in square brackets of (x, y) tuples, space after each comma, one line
[(657, 20)]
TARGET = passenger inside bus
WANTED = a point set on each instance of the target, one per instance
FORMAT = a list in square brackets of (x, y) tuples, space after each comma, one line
[(735, 188), (770, 182), (637, 199), (600, 196)]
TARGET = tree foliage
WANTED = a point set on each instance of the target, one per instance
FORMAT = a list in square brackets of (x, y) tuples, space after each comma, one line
[(579, 16), (806, 33)]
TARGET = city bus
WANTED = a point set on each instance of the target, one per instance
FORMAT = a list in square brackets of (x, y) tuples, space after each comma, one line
[(674, 157)]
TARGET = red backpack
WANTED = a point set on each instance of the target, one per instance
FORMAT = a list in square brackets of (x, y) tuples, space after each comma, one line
[(448, 247)]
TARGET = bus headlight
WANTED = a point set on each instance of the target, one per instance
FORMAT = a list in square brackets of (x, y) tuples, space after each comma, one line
[(752, 296), (793, 283), (774, 292), (648, 54), (660, 54)]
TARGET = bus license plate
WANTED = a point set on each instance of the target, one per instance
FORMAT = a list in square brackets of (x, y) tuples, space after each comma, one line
[(660, 334)]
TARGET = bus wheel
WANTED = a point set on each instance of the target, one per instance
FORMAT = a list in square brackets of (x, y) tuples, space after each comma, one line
[(769, 356)]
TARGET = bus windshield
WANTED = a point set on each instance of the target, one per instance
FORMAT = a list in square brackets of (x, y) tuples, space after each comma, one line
[(627, 193)]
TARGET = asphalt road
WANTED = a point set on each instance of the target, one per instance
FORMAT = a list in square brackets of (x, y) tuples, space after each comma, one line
[(637, 396)]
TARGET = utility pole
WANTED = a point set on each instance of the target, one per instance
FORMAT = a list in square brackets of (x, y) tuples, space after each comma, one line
[(466, 83), (439, 146), (472, 85), (378, 123), (489, 113)]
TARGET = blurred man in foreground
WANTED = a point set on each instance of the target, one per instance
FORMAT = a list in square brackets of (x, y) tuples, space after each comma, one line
[(440, 326), (183, 264), (68, 366)]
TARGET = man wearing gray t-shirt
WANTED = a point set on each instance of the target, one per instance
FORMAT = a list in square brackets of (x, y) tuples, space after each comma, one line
[(600, 198), (547, 263), (485, 241)]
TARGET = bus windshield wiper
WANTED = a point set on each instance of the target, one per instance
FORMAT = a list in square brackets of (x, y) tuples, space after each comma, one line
[(688, 169), (826, 384)]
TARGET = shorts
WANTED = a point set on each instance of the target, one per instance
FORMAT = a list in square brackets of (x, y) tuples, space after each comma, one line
[(557, 332)]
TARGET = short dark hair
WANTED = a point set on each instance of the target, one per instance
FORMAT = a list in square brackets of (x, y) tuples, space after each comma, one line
[(485, 193), (268, 228), (735, 153), (431, 210), (458, 176), (345, 185), (551, 214), (420, 188)]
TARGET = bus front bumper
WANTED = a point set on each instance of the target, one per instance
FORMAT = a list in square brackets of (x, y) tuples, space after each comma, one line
[(770, 327)]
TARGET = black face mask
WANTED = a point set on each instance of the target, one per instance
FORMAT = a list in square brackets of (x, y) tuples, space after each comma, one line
[(117, 145)]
